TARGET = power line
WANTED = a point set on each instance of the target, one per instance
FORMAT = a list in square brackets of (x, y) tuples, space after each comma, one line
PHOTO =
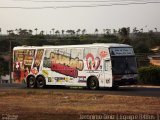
[(84, 1), (79, 0), (91, 1), (79, 6)]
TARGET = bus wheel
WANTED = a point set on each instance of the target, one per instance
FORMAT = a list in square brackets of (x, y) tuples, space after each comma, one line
[(92, 83), (40, 82), (31, 82)]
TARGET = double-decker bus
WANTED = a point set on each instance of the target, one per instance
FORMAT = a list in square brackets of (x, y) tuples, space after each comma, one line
[(91, 65)]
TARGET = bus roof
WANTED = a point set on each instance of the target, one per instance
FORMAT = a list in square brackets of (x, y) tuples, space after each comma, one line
[(108, 45)]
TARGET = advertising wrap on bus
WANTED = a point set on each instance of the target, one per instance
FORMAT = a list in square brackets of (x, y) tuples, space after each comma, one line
[(92, 66)]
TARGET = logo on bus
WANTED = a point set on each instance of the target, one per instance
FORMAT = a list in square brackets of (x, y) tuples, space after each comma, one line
[(103, 54), (92, 62)]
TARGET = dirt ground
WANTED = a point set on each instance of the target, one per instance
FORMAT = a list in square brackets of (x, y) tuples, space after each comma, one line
[(17, 104)]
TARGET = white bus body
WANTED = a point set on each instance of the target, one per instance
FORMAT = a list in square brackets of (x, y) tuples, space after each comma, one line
[(92, 65)]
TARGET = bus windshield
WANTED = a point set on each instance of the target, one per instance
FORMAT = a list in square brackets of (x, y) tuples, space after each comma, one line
[(122, 65)]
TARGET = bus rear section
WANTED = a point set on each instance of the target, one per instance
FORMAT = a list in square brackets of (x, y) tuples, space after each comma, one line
[(124, 66)]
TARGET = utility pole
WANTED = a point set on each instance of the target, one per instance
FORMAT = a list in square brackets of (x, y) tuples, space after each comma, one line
[(10, 55)]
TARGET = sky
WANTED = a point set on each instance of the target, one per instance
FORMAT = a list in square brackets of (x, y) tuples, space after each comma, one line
[(114, 16)]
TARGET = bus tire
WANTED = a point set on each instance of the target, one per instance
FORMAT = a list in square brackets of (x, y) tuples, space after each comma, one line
[(41, 82), (93, 83), (31, 82)]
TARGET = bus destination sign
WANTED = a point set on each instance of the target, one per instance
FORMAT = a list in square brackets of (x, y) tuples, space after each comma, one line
[(121, 51)]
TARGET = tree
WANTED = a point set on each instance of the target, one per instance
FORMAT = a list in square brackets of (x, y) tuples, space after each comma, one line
[(124, 35), (30, 32), (68, 31), (36, 29), (78, 31), (57, 32), (141, 47), (71, 32), (135, 30), (63, 32), (4, 46), (0, 30), (151, 40), (4, 67), (23, 32), (53, 30), (83, 31), (141, 30), (109, 39), (17, 31), (156, 29), (10, 32), (96, 31), (20, 29), (108, 31), (114, 31), (42, 32)]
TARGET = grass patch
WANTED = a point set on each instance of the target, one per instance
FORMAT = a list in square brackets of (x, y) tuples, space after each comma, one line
[(29, 102)]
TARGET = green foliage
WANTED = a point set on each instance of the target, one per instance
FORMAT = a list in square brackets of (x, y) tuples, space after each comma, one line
[(124, 31), (124, 35), (141, 41), (149, 75), (110, 39), (4, 67), (141, 47), (4, 45), (36, 40)]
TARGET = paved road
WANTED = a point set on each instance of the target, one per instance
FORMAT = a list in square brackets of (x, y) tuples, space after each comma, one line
[(127, 91)]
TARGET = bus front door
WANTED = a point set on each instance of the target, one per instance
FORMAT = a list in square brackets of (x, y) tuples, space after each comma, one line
[(107, 72)]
